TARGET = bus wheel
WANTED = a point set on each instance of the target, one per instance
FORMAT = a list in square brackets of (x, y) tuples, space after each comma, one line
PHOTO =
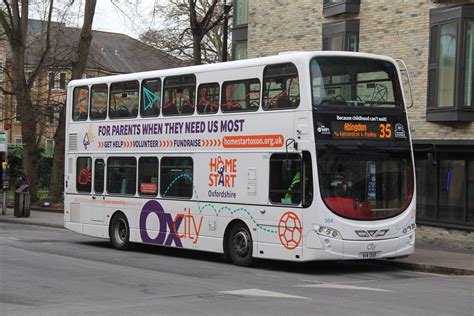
[(239, 245), (119, 232)]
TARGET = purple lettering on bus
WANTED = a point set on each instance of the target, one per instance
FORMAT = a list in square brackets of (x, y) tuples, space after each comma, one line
[(166, 221)]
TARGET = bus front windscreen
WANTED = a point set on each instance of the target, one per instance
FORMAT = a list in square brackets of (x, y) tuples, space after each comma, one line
[(354, 82), (365, 182)]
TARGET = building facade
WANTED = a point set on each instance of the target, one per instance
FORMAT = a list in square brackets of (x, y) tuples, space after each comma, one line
[(435, 38)]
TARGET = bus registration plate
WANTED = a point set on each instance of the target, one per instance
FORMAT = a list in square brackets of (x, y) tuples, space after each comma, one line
[(369, 254)]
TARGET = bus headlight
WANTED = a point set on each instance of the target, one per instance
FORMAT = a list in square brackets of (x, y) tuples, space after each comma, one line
[(409, 228), (328, 232)]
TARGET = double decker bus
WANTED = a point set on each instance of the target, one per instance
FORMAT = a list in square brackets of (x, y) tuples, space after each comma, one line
[(301, 156)]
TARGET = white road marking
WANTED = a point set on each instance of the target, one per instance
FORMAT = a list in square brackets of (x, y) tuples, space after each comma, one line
[(13, 238), (343, 282), (262, 293), (342, 287)]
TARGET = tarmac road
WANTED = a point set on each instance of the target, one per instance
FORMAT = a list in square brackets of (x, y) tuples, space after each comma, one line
[(54, 271)]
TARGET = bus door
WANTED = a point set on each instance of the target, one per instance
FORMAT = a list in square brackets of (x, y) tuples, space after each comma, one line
[(98, 197)]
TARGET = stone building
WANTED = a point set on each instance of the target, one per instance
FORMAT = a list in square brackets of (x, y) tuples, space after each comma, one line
[(110, 53), (435, 38)]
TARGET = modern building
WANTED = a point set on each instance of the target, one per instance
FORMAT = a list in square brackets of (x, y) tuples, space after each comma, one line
[(435, 38), (110, 53)]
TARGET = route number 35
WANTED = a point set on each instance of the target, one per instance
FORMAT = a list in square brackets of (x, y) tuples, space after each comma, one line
[(385, 130)]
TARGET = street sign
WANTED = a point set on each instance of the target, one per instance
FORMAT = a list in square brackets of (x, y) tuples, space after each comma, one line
[(3, 141), (7, 126)]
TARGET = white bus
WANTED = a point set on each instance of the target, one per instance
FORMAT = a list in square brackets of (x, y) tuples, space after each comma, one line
[(301, 156)]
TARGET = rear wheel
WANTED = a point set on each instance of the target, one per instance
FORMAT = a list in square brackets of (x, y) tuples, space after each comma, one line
[(239, 245), (120, 232)]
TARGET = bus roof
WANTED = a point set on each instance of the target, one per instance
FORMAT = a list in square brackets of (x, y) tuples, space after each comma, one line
[(300, 56)]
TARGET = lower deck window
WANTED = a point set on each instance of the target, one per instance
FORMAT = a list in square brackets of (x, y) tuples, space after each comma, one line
[(177, 177), (84, 174), (121, 175)]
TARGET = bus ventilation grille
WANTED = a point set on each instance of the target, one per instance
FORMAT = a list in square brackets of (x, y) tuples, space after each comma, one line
[(72, 142)]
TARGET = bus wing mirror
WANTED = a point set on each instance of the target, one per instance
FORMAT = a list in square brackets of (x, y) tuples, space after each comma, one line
[(405, 70)]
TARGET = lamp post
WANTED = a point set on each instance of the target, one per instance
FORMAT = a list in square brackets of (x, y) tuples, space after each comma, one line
[(227, 8)]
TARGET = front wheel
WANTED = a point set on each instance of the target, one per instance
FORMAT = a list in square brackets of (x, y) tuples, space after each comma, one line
[(239, 245), (119, 232)]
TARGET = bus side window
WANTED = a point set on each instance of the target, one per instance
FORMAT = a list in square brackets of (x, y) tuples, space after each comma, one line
[(150, 101), (179, 95), (148, 176), (80, 103), (208, 98), (241, 95), (99, 170), (123, 101), (176, 177), (99, 102), (285, 179), (280, 87), (121, 175), (84, 174)]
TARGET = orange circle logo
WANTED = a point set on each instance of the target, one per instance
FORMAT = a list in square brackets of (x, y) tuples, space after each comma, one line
[(290, 230)]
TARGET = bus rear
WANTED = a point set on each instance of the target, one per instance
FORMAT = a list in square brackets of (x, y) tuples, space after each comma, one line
[(364, 160)]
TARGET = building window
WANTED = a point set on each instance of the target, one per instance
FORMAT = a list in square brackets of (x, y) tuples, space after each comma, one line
[(239, 50), (176, 177), (240, 12), (336, 7), (57, 81), (445, 186), (451, 64), (18, 141), (341, 35), (49, 144)]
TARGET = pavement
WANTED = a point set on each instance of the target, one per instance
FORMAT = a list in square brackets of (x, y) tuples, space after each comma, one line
[(426, 258)]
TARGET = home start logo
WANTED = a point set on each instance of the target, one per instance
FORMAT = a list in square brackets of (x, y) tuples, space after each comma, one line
[(222, 172), (168, 231)]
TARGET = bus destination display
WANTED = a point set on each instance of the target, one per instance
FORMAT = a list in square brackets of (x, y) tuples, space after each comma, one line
[(362, 130), (375, 127)]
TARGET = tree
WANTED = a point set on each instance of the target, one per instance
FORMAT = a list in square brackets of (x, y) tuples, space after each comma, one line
[(193, 30), (14, 21), (78, 67), (34, 53)]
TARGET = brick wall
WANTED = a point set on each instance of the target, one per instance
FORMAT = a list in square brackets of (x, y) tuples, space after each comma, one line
[(397, 28), (445, 237)]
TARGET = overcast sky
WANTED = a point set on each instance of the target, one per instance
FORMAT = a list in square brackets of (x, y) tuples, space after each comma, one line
[(127, 19)]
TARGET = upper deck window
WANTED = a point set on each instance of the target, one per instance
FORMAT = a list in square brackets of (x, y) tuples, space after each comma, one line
[(80, 103), (280, 87), (151, 97), (354, 82), (179, 95), (99, 102), (241, 96), (123, 99), (208, 98)]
